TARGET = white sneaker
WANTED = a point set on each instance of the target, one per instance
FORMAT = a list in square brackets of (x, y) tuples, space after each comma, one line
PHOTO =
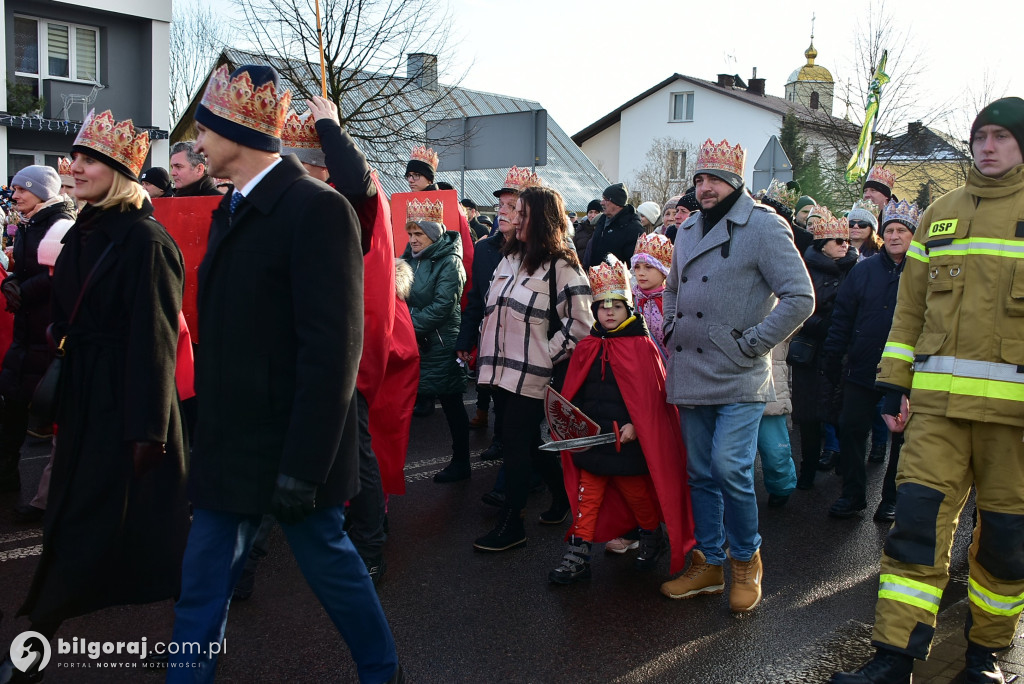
[(621, 545)]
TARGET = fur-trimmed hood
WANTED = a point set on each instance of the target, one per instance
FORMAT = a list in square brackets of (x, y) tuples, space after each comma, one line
[(403, 279)]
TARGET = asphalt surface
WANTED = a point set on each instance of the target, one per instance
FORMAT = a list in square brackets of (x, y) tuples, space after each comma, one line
[(462, 616)]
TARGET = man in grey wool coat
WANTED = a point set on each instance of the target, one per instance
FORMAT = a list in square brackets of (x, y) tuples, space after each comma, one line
[(737, 288)]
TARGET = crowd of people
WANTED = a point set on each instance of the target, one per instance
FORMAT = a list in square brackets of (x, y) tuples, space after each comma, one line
[(628, 319)]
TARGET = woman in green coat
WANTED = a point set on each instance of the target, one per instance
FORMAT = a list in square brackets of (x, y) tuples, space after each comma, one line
[(435, 256)]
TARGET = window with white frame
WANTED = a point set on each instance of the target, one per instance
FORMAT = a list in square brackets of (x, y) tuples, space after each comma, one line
[(676, 165), (681, 107), (53, 49), (19, 159)]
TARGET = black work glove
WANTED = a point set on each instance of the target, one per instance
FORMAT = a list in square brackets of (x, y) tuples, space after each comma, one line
[(146, 456), (12, 291), (832, 366), (293, 499), (891, 402)]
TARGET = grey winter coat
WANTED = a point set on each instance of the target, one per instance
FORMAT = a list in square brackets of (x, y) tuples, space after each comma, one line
[(744, 277)]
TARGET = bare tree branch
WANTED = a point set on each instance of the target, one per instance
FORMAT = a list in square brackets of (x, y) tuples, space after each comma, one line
[(196, 38), (667, 171)]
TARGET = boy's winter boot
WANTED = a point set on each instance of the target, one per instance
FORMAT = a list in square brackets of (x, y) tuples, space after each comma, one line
[(652, 545), (508, 534), (700, 578), (575, 564), (745, 589), (887, 667), (981, 666)]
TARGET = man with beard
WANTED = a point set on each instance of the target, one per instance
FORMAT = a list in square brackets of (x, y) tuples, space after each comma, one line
[(720, 368)]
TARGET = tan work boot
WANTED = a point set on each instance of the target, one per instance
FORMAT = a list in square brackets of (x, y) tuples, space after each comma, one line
[(700, 578), (745, 590), (479, 420)]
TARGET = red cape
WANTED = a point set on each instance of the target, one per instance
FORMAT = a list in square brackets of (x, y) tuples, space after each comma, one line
[(390, 355), (391, 411), (637, 365)]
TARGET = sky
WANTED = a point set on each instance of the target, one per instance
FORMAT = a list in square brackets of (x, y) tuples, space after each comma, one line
[(580, 59)]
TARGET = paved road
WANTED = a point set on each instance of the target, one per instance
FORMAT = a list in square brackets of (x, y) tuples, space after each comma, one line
[(460, 616)]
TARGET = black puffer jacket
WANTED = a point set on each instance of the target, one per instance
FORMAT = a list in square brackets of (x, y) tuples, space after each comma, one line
[(814, 397), (863, 315), (29, 355), (600, 398), (616, 236)]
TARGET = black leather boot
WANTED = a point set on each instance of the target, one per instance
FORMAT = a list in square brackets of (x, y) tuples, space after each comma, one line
[(887, 667), (508, 534), (981, 666)]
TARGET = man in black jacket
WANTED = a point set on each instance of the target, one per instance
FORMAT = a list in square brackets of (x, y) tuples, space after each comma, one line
[(277, 429), (188, 169), (617, 231)]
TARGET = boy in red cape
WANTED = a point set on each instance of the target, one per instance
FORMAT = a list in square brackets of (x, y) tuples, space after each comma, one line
[(616, 376)]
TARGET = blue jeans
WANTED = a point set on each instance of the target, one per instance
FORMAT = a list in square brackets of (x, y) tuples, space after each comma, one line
[(776, 455), (218, 544), (721, 442), (831, 438)]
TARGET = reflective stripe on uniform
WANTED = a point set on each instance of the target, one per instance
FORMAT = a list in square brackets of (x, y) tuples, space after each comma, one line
[(918, 251), (912, 592), (900, 352), (1013, 249), (994, 603), (971, 378)]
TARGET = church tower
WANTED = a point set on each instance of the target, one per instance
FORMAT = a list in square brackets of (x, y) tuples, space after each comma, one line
[(811, 85)]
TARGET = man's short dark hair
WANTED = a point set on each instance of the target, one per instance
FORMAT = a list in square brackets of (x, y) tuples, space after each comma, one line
[(468, 203), (189, 148)]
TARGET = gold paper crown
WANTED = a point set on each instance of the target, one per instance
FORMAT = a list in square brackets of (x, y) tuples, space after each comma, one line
[(300, 132), (904, 212), (609, 280), (118, 141), (830, 227), (868, 206), (654, 249), (262, 109), (778, 192), (425, 210), (518, 179), (880, 175), (64, 167), (721, 157), (819, 210), (425, 155)]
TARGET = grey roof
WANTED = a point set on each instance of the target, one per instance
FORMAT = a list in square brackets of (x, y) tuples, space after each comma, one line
[(568, 170), (922, 144)]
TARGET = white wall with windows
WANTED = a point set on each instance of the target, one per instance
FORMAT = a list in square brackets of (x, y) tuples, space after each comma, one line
[(685, 111)]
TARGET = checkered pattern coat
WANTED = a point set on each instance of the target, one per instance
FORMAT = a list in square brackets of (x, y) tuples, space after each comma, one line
[(515, 352)]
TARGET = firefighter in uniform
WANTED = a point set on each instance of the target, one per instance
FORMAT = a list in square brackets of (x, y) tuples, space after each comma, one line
[(957, 347)]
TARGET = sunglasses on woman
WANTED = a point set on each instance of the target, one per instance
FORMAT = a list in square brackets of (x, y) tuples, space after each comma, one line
[(841, 241), (859, 224)]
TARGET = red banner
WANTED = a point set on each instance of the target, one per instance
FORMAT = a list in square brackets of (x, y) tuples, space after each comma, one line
[(187, 219)]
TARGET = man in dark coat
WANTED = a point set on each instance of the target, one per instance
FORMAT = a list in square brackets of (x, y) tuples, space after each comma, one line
[(616, 231), (280, 306), (188, 169)]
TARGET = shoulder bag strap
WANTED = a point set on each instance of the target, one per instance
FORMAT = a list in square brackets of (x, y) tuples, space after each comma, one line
[(78, 303)]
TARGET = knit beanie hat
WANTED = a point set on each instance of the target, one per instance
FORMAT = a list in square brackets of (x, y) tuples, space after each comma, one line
[(882, 180), (595, 205), (156, 176), (616, 194), (804, 201), (650, 211), (672, 203), (423, 160), (1007, 112), (689, 201), (864, 210), (41, 181), (431, 229), (247, 107)]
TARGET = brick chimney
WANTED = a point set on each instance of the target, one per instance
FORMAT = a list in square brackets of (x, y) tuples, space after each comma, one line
[(726, 80), (421, 68), (914, 128), (755, 86)]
